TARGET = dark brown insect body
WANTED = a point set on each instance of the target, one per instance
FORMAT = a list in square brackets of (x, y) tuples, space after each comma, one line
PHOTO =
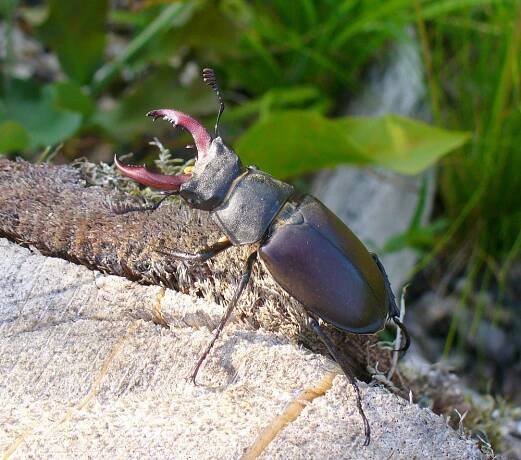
[(309, 252)]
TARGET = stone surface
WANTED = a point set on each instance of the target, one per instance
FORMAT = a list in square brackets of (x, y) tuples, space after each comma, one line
[(85, 373)]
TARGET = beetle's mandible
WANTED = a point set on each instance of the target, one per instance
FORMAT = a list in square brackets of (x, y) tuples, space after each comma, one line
[(309, 251)]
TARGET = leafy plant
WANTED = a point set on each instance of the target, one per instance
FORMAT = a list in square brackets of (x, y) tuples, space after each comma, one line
[(289, 55), (39, 115), (487, 101), (34, 114), (475, 57), (296, 142), (75, 30)]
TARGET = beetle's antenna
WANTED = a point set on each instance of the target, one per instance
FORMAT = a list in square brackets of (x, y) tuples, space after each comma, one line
[(211, 81)]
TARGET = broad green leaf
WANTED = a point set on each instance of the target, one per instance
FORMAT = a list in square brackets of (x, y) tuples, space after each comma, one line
[(36, 110), (75, 30), (13, 136), (401, 144), (295, 142)]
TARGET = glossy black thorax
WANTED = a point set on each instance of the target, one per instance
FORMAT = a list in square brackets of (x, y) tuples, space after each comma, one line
[(252, 203)]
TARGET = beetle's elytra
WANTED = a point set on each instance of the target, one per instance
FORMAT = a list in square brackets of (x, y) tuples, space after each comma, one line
[(307, 249)]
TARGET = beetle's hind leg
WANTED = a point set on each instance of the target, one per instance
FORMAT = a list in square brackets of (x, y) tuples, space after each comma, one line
[(240, 288), (339, 358), (394, 311), (126, 208)]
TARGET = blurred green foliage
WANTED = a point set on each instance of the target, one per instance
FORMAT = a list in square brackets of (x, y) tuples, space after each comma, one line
[(477, 72), (75, 30), (276, 55), (476, 83), (41, 112)]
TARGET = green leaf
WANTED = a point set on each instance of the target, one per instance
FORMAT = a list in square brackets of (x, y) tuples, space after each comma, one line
[(13, 136), (75, 30), (295, 142), (401, 144), (70, 96), (36, 110)]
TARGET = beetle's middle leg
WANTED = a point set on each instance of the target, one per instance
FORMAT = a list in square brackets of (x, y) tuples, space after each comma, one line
[(200, 256), (338, 357), (240, 288)]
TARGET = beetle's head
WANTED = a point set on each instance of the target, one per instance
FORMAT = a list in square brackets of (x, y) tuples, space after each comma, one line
[(205, 185)]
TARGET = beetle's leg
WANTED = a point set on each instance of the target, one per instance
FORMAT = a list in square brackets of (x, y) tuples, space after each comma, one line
[(240, 288), (338, 357), (405, 333), (201, 256), (151, 207), (394, 311)]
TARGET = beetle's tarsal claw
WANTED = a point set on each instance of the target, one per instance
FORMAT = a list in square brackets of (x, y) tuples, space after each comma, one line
[(405, 333)]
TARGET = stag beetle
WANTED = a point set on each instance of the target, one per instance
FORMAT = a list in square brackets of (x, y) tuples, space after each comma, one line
[(308, 250)]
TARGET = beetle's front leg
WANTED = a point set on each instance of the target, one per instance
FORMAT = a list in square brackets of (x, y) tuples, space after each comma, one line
[(201, 256), (240, 288), (124, 209), (338, 357)]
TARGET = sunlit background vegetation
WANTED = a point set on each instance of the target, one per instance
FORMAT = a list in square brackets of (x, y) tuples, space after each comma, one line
[(78, 76)]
